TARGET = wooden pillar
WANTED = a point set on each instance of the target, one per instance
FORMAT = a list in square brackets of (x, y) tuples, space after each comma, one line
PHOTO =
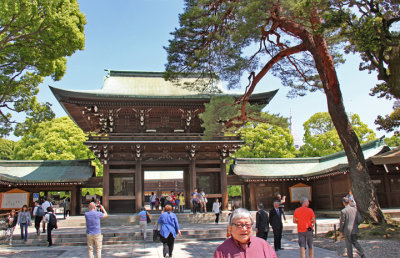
[(138, 185), (74, 200), (187, 188), (387, 189), (192, 174), (106, 186), (244, 195), (79, 200), (330, 189), (252, 197), (224, 186)]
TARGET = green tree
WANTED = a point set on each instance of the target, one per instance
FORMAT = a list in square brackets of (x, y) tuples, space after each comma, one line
[(234, 190), (57, 139), (6, 149), (265, 141), (321, 138), (225, 39), (35, 38), (393, 141)]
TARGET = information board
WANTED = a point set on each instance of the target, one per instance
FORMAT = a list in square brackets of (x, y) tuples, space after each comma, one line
[(14, 200), (299, 190)]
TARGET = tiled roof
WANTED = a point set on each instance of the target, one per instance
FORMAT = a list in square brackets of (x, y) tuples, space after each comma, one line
[(45, 171), (281, 168)]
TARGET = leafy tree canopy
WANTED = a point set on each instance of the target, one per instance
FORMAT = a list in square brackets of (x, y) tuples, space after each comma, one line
[(393, 141), (35, 38), (321, 138), (57, 139), (265, 141), (6, 149), (234, 190)]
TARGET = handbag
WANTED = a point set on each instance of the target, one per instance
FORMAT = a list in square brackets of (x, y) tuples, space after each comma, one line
[(148, 218), (156, 233)]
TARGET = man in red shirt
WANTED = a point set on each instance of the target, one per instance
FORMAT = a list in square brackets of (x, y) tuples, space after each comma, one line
[(305, 219)]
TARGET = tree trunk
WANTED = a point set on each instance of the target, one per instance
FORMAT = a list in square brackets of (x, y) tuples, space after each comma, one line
[(362, 187)]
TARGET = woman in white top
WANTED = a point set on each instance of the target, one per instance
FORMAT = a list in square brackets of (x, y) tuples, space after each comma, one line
[(216, 209)]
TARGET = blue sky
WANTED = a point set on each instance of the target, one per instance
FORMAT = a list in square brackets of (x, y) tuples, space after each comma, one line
[(130, 35)]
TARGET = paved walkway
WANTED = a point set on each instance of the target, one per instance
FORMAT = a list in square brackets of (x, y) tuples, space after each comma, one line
[(181, 250)]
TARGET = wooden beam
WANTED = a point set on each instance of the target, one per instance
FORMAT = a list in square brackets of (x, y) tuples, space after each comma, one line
[(200, 170), (121, 171), (122, 198), (224, 187)]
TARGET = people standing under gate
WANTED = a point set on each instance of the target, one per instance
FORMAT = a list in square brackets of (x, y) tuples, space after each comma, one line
[(304, 217), (142, 216), (153, 198), (157, 203), (182, 203), (11, 221), (93, 229), (195, 201), (173, 198), (177, 202), (203, 201), (51, 220), (350, 218), (38, 213), (275, 220), (216, 209), (169, 229), (162, 201), (24, 220), (45, 205), (262, 222)]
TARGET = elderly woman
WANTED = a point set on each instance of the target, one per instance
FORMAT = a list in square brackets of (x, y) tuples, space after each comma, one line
[(242, 243), (169, 229)]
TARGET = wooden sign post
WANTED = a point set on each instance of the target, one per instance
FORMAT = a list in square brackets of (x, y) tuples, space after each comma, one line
[(14, 199)]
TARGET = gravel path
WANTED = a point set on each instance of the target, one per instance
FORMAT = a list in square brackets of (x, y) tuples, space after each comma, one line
[(383, 248)]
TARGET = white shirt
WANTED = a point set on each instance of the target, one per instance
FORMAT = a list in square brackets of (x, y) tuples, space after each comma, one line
[(216, 206), (47, 217), (45, 205), (153, 198)]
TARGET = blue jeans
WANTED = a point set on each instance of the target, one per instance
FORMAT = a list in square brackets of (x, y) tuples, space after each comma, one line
[(24, 225)]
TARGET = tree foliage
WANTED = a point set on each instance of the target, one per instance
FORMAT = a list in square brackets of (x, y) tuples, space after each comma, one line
[(292, 39), (393, 141), (6, 149), (321, 138), (57, 139), (265, 141), (35, 38), (371, 27)]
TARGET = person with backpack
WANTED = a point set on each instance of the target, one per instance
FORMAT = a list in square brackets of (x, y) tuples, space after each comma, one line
[(45, 205), (51, 221), (24, 220), (38, 213)]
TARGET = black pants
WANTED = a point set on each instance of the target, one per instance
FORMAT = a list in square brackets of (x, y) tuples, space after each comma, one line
[(277, 238), (37, 222), (262, 234), (49, 239), (216, 217), (195, 207), (168, 244)]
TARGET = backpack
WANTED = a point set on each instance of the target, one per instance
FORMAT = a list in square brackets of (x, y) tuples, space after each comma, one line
[(52, 221), (39, 211)]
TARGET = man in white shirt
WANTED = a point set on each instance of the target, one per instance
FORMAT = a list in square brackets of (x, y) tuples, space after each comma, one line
[(45, 205)]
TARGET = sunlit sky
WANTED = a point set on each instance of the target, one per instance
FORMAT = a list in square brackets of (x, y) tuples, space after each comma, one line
[(130, 35)]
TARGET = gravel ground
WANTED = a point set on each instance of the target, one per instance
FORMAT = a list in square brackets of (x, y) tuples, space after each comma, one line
[(373, 248)]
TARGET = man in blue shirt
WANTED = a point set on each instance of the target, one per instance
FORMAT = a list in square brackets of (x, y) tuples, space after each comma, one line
[(93, 229)]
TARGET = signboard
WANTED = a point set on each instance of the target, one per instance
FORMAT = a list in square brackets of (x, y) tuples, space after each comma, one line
[(35, 197), (299, 190), (14, 199)]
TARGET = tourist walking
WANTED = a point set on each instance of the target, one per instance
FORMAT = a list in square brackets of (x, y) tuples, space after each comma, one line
[(182, 203), (304, 217), (238, 245), (275, 220), (45, 205), (262, 222), (350, 218), (93, 229), (51, 220), (153, 198), (38, 213), (142, 216), (162, 201), (216, 209), (24, 220), (178, 202), (67, 207), (203, 201), (169, 229), (11, 221), (195, 201), (157, 203)]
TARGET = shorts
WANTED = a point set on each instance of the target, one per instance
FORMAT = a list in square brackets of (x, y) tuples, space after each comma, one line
[(306, 238)]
